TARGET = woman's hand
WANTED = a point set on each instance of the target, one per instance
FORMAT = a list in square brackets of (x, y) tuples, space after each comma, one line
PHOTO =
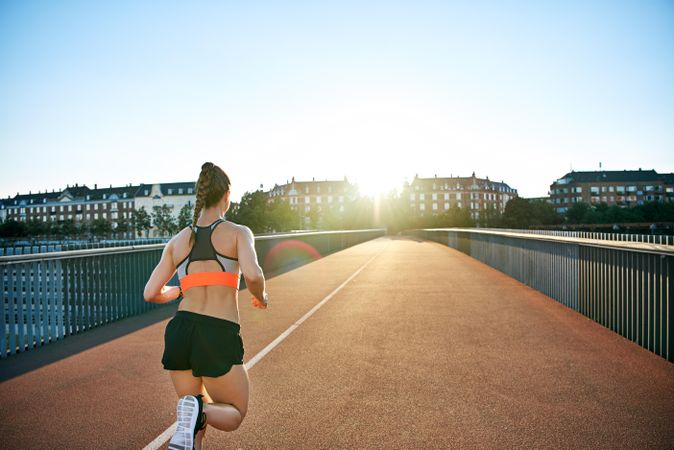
[(168, 294), (260, 304)]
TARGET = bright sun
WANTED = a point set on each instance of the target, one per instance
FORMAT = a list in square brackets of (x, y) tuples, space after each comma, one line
[(374, 186)]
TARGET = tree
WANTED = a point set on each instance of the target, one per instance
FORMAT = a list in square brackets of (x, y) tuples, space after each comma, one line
[(280, 216), (141, 221), (36, 227), (163, 220), (517, 213), (13, 228), (577, 212), (185, 216), (100, 227), (252, 212), (123, 225)]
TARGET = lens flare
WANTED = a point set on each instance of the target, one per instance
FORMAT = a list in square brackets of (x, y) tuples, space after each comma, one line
[(290, 253)]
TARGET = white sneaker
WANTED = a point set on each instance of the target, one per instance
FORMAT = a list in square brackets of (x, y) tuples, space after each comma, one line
[(188, 413)]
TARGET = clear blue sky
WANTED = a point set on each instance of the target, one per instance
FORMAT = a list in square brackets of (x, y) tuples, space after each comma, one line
[(129, 92)]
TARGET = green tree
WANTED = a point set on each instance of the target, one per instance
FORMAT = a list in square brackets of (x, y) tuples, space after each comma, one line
[(252, 211), (37, 227), (517, 213), (163, 220), (141, 221), (185, 216), (13, 228), (577, 212), (123, 226), (280, 216), (100, 227)]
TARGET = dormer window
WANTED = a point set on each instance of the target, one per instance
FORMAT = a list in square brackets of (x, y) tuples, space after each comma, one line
[(147, 192), (180, 190), (88, 197), (170, 191), (189, 190), (104, 195), (124, 195)]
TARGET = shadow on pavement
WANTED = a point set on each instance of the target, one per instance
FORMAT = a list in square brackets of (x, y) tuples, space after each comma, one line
[(21, 363)]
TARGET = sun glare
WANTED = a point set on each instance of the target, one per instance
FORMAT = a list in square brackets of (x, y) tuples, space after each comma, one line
[(373, 186)]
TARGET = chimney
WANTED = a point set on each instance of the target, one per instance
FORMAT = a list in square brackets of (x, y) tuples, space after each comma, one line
[(95, 185)]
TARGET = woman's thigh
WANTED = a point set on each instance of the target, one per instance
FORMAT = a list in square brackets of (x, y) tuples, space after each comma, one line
[(187, 384), (231, 388)]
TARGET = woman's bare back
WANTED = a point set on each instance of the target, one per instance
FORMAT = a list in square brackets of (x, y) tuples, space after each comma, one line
[(217, 301)]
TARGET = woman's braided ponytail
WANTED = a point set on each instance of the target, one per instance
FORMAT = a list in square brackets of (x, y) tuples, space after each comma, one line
[(212, 184)]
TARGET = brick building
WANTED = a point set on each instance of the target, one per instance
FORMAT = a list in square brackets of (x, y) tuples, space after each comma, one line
[(79, 203), (625, 188), (305, 197), (432, 196), (83, 204)]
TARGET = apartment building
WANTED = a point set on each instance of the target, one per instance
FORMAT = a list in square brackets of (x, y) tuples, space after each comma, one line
[(79, 203), (625, 188), (306, 197), (83, 204), (432, 196)]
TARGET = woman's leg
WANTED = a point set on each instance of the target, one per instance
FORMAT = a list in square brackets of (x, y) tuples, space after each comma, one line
[(187, 384), (230, 395)]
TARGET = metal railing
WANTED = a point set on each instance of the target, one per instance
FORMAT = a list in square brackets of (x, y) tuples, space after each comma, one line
[(49, 296), (625, 286), (662, 239), (10, 250)]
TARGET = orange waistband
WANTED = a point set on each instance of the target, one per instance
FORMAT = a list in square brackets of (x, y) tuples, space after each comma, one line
[(209, 279)]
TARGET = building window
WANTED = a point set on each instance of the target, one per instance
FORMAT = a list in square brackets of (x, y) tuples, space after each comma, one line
[(446, 196), (341, 200), (95, 216), (631, 188), (434, 196), (170, 191), (435, 206), (422, 206), (446, 205), (105, 196), (412, 197), (180, 190), (306, 199), (306, 189), (421, 197)]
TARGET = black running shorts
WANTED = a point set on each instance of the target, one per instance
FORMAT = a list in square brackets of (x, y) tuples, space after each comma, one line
[(207, 345)]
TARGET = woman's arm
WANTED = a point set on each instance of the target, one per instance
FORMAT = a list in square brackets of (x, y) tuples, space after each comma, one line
[(252, 272), (156, 290)]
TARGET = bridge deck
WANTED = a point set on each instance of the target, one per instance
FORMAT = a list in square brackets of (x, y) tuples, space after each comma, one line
[(426, 347)]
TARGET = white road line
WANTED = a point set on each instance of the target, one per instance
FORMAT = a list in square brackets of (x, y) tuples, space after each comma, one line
[(166, 435)]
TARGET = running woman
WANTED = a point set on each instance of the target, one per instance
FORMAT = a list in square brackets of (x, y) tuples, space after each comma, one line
[(203, 350)]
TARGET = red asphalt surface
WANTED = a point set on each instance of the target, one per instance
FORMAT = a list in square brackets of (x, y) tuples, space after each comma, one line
[(425, 348)]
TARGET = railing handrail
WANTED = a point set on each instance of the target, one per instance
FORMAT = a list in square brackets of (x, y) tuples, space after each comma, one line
[(144, 247), (643, 247)]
